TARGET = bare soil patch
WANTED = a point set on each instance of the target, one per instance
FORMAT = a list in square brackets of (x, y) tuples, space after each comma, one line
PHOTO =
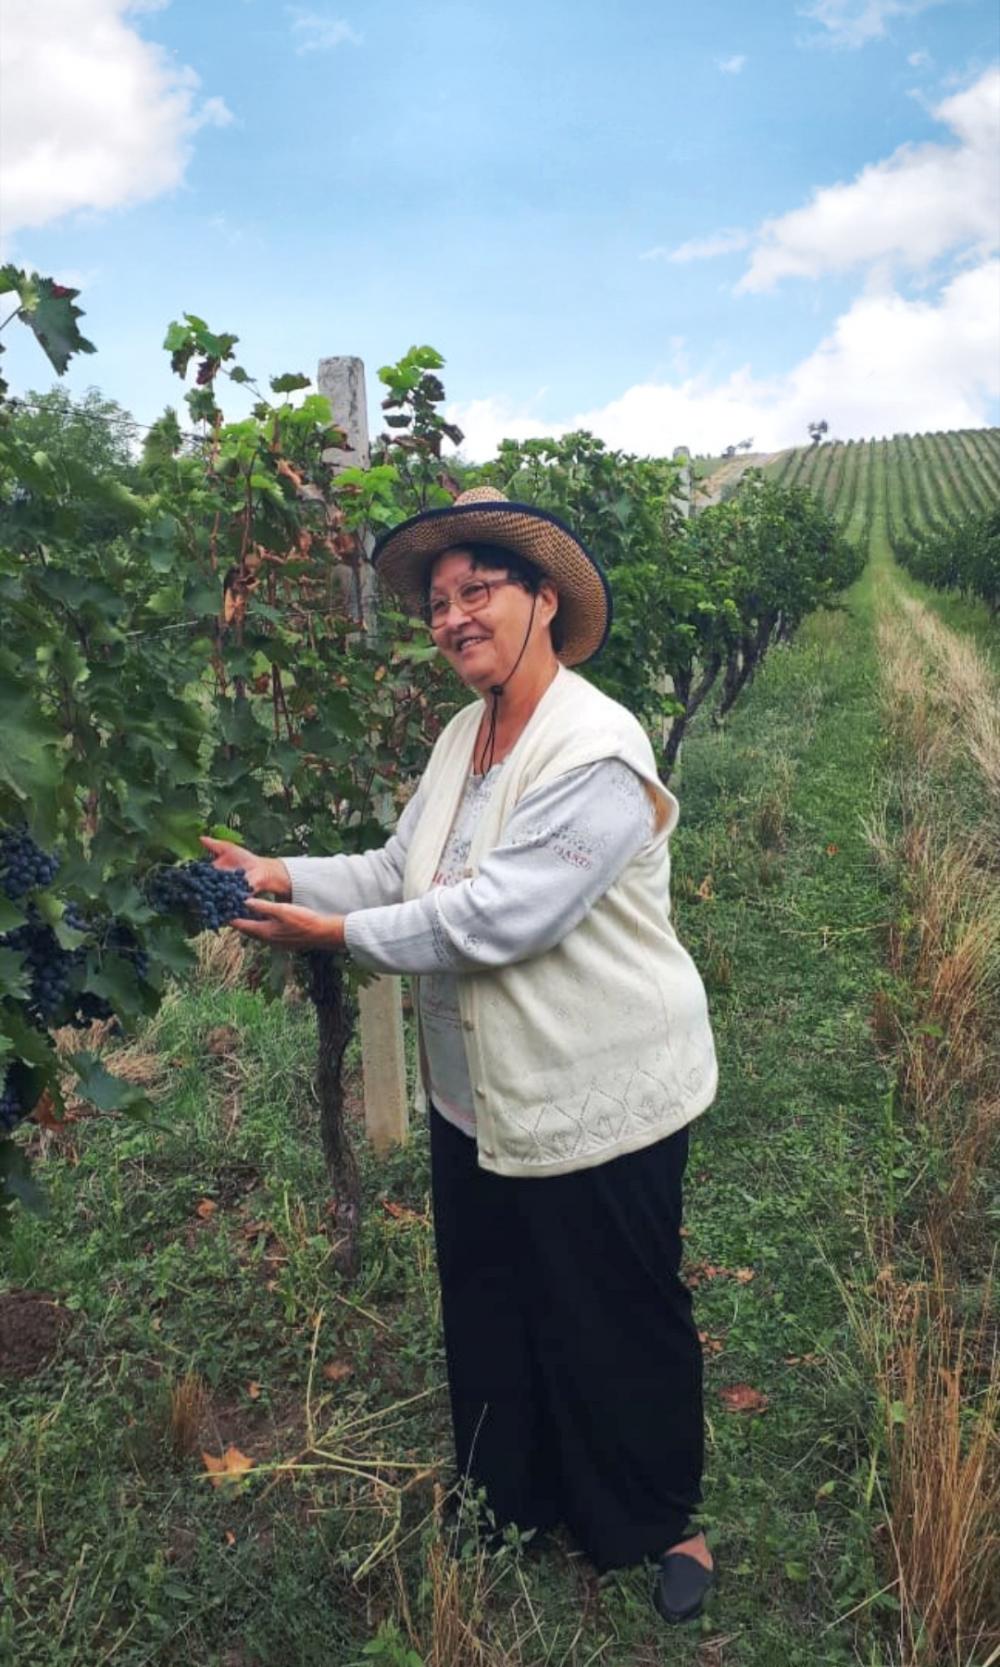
[(31, 1324)]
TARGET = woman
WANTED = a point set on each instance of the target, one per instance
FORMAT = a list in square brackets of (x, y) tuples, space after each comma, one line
[(565, 1044)]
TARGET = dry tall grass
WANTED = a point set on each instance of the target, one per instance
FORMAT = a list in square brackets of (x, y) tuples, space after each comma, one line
[(965, 685), (949, 951), (939, 1388), (939, 1379), (188, 1404)]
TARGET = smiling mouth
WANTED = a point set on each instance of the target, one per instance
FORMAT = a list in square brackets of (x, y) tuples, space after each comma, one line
[(469, 642)]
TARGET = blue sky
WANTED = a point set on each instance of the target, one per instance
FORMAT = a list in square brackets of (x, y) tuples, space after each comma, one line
[(676, 224)]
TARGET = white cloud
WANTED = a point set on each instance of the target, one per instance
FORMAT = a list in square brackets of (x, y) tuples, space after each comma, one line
[(853, 23), (733, 65), (94, 116), (315, 32), (923, 202), (214, 112), (889, 364), (726, 242), (919, 60)]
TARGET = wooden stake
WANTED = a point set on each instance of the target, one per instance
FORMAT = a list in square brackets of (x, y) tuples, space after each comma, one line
[(383, 1059)]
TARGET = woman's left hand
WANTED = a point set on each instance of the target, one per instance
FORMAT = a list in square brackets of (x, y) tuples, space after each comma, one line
[(288, 926)]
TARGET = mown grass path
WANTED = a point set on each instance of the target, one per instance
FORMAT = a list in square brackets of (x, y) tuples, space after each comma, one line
[(115, 1549)]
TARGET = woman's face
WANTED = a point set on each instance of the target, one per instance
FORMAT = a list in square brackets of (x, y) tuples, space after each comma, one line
[(483, 647)]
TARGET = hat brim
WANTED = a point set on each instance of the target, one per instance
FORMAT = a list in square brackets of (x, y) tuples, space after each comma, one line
[(403, 554)]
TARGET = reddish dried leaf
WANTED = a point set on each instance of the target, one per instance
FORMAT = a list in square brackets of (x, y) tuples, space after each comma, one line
[(253, 1389), (832, 850), (335, 1371), (229, 1468), (402, 1212), (206, 1208), (739, 1397), (253, 1229), (743, 1276), (45, 1113)]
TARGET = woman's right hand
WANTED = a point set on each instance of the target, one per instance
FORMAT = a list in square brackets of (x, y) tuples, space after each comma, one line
[(263, 873)]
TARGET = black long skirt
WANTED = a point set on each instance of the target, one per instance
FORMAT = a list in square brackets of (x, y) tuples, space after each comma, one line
[(574, 1365)]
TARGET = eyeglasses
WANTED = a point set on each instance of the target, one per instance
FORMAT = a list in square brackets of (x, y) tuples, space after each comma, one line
[(472, 596)]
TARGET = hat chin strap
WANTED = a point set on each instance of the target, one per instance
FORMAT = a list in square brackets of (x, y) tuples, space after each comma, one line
[(485, 761)]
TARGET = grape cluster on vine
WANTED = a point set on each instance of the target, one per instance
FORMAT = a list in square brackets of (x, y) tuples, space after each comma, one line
[(53, 972), (206, 897), (14, 1097), (23, 865)]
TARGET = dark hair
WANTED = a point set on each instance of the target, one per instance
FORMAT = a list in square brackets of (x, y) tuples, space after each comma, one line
[(518, 567)]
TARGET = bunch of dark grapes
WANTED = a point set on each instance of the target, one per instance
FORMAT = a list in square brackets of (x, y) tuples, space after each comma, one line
[(23, 867), (206, 897), (49, 965), (14, 1097), (54, 973)]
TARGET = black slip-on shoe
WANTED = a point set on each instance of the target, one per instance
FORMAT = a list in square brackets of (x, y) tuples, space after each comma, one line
[(682, 1584)]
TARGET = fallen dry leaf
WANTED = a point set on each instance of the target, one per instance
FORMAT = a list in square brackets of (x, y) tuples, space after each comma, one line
[(402, 1212), (229, 1468), (802, 1359), (711, 1345), (222, 1040), (335, 1371), (206, 1208), (253, 1390), (739, 1397), (254, 1229), (697, 1271), (704, 891), (230, 1537), (45, 1113), (832, 850)]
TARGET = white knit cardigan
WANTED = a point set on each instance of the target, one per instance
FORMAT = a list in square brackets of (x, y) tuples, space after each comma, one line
[(602, 1044)]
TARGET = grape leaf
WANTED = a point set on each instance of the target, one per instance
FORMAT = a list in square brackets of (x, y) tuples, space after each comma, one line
[(10, 914), (15, 979), (28, 761), (104, 1091), (15, 1179), (52, 316)]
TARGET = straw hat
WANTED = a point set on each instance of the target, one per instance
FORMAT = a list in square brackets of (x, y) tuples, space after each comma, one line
[(484, 515)]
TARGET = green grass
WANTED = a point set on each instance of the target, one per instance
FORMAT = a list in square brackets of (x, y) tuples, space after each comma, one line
[(113, 1547)]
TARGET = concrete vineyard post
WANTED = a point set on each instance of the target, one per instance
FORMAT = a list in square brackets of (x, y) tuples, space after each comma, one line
[(383, 1059)]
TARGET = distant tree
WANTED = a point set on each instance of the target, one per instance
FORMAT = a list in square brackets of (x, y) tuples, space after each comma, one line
[(89, 443), (91, 430), (162, 443), (745, 445), (817, 430)]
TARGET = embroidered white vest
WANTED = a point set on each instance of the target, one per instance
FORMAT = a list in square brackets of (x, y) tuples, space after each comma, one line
[(601, 1044)]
